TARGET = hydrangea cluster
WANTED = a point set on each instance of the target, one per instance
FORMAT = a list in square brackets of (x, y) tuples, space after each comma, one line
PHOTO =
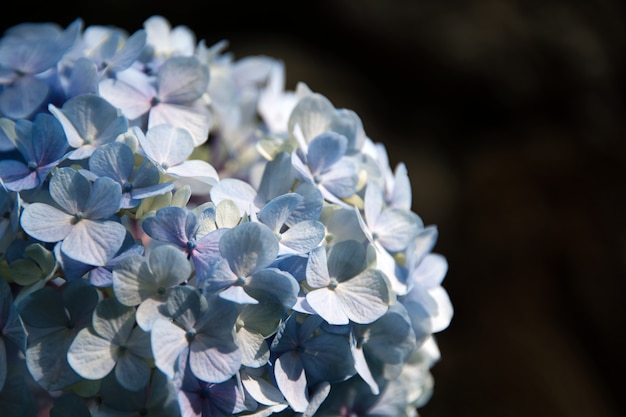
[(180, 235)]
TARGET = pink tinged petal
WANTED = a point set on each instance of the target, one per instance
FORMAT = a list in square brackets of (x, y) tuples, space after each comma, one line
[(46, 223), (291, 380), (196, 120), (328, 305), (364, 298), (168, 342), (91, 356), (94, 242), (166, 145), (196, 169), (133, 100)]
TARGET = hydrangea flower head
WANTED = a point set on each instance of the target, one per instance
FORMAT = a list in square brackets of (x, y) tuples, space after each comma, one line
[(181, 234)]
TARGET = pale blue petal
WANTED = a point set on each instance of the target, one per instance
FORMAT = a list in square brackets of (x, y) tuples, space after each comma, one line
[(46, 223), (317, 275), (126, 280), (182, 79), (396, 228), (327, 357), (372, 203), (46, 359), (219, 277), (132, 372), (304, 236), (237, 295), (325, 151), (362, 368), (276, 212), (421, 246), (195, 169), (104, 200), (342, 179), (166, 145), (133, 46), (274, 284), (346, 259), (134, 100), (278, 178), (240, 192), (195, 120), (364, 298), (185, 304), (21, 99), (91, 356), (401, 195), (291, 380), (70, 190), (17, 177), (310, 208), (327, 304), (169, 265), (113, 321), (83, 79), (249, 247), (312, 114), (114, 160), (94, 242), (169, 224), (212, 359), (431, 270), (168, 342)]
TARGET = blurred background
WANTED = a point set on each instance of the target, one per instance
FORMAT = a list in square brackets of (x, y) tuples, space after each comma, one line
[(510, 116)]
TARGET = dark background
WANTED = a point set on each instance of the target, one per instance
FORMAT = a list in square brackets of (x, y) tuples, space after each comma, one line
[(510, 117)]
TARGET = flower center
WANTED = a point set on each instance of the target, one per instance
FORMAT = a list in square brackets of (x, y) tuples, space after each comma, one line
[(333, 283), (32, 165), (77, 217), (190, 334), (127, 187)]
